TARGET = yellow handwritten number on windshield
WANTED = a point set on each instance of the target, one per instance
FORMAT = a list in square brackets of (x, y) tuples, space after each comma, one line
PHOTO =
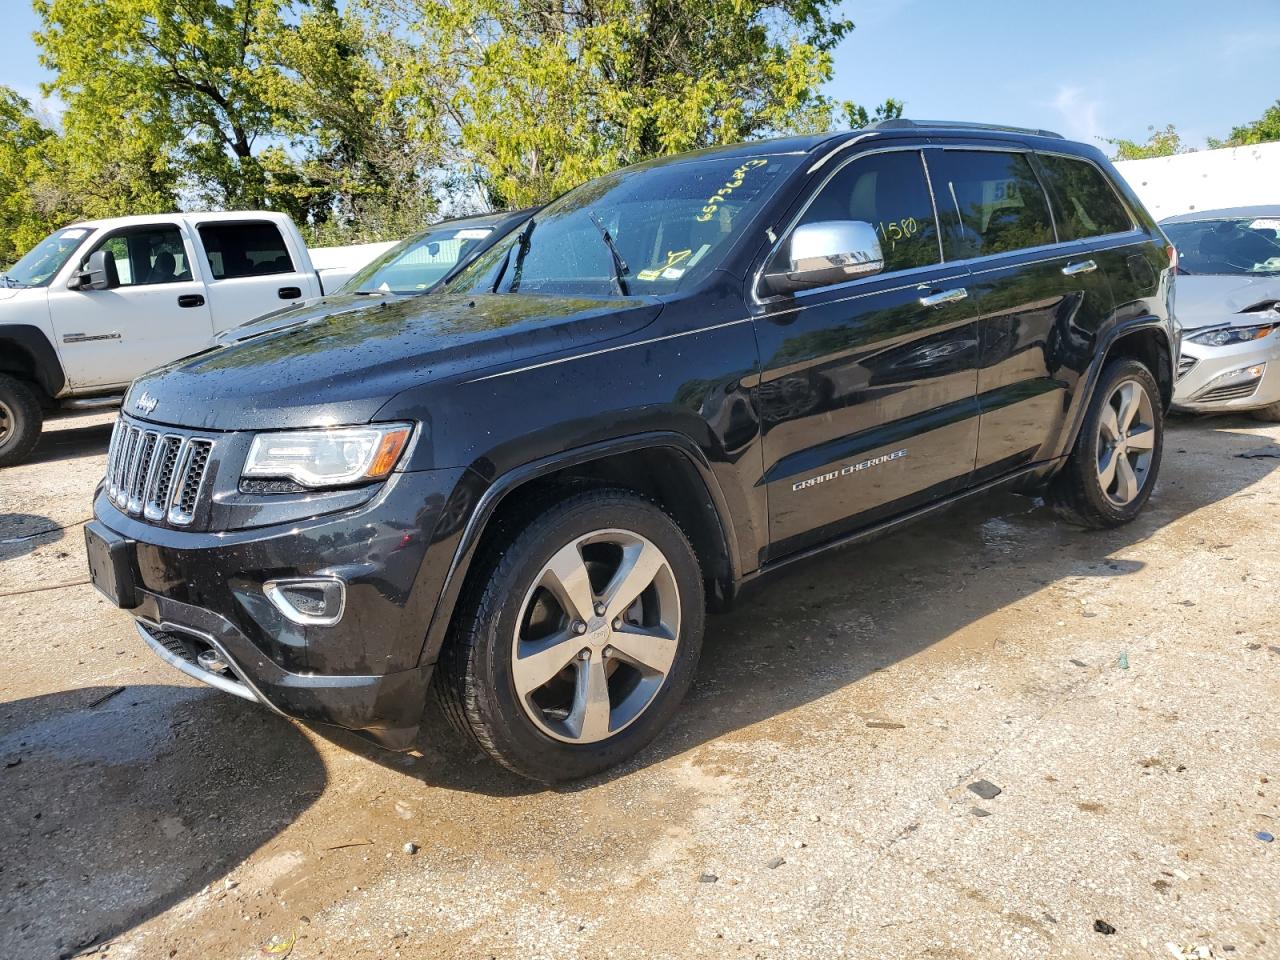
[(733, 183)]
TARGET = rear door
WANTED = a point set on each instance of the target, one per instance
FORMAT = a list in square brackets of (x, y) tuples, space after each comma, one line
[(1036, 299), (156, 315), (252, 270), (867, 392)]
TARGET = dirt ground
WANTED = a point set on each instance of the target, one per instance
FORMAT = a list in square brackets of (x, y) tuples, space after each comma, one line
[(811, 801)]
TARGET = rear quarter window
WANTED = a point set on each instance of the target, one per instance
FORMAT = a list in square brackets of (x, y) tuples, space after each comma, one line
[(1084, 203)]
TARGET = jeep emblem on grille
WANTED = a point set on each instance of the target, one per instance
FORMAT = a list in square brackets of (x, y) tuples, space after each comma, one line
[(146, 403)]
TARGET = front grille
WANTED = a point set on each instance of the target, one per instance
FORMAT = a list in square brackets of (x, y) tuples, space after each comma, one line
[(1186, 365), (1236, 391), (155, 474)]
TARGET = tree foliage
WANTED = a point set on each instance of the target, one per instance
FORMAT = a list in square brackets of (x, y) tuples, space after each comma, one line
[(364, 118), (1266, 129), (1164, 142)]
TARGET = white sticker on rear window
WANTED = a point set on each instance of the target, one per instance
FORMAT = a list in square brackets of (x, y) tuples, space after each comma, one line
[(73, 234), (472, 233)]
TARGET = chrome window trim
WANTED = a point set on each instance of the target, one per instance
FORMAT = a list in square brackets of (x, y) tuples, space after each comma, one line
[(817, 164)]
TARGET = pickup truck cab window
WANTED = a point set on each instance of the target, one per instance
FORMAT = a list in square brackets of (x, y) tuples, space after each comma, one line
[(147, 255), (669, 224), (990, 202), (245, 250)]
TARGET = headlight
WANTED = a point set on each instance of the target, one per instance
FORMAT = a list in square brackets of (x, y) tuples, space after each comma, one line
[(1232, 335), (334, 457)]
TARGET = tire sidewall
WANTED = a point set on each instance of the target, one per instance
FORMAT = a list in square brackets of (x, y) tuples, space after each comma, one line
[(514, 734), (29, 420), (1112, 376)]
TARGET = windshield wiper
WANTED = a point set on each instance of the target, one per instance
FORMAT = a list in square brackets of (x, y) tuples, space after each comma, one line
[(620, 268), (522, 241)]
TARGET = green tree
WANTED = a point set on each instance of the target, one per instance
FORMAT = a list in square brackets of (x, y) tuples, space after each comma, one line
[(856, 115), (1161, 143), (1265, 129), (22, 138), (537, 96)]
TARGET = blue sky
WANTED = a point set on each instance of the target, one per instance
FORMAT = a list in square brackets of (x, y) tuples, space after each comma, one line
[(1083, 67)]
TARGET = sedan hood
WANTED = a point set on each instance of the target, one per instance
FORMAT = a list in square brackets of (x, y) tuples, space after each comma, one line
[(339, 360), (1205, 300)]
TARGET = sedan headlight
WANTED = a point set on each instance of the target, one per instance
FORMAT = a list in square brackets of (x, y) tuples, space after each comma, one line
[(335, 457), (1229, 336)]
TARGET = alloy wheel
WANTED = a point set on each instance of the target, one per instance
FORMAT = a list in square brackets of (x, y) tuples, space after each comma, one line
[(596, 637), (1126, 442)]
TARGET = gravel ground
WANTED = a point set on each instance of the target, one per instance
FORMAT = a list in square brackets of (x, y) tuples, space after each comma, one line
[(813, 799)]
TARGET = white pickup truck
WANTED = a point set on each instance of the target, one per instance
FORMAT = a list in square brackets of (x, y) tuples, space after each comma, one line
[(94, 305)]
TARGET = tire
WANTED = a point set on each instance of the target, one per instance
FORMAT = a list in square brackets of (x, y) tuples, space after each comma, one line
[(21, 420), (1077, 493), (1269, 413), (513, 608)]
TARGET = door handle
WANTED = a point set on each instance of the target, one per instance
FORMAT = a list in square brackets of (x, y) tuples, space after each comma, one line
[(289, 293), (1075, 269), (941, 299), (191, 300)]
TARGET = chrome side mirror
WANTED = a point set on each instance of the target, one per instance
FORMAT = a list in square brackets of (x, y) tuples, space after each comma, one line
[(828, 252)]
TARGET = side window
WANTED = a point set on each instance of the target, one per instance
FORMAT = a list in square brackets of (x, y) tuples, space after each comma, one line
[(147, 255), (989, 202), (890, 192), (245, 250), (1084, 203)]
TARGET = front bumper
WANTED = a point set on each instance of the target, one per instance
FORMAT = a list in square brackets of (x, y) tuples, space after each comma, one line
[(192, 592), (1204, 367)]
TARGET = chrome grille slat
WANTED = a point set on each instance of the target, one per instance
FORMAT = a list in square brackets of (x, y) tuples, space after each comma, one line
[(160, 484), (123, 465), (113, 451), (142, 473), (186, 494)]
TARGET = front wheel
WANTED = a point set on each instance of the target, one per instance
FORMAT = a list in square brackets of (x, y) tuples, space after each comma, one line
[(1111, 471), (578, 640), (21, 420)]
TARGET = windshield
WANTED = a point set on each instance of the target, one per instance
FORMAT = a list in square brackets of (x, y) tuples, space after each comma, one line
[(1237, 246), (419, 263), (46, 258), (637, 232)]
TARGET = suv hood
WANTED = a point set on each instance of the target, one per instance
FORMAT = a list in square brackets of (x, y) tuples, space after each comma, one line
[(335, 361), (1206, 300)]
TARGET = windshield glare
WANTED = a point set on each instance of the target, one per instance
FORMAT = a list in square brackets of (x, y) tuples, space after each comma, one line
[(46, 258), (1245, 246), (419, 263), (671, 224)]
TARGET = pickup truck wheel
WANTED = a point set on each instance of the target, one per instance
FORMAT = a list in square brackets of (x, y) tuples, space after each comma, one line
[(580, 640), (1112, 470), (21, 420)]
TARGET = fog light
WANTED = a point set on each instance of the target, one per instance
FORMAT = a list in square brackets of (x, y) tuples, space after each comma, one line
[(307, 601)]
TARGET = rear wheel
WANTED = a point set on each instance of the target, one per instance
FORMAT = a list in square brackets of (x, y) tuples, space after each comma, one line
[(21, 420), (579, 640), (1113, 467)]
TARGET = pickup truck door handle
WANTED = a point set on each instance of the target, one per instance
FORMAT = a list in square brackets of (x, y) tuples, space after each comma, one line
[(955, 295), (289, 293), (1075, 269), (191, 300)]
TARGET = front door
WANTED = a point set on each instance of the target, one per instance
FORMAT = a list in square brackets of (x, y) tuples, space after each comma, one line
[(158, 313), (867, 395)]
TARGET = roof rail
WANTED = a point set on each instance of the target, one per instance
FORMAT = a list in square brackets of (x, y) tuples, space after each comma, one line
[(902, 123)]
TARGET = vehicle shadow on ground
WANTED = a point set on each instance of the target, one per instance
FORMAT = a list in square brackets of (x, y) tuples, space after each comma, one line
[(830, 621), (20, 533), (119, 805), (70, 443)]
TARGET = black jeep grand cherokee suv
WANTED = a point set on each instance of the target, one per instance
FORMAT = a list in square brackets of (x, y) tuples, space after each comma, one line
[(526, 492)]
